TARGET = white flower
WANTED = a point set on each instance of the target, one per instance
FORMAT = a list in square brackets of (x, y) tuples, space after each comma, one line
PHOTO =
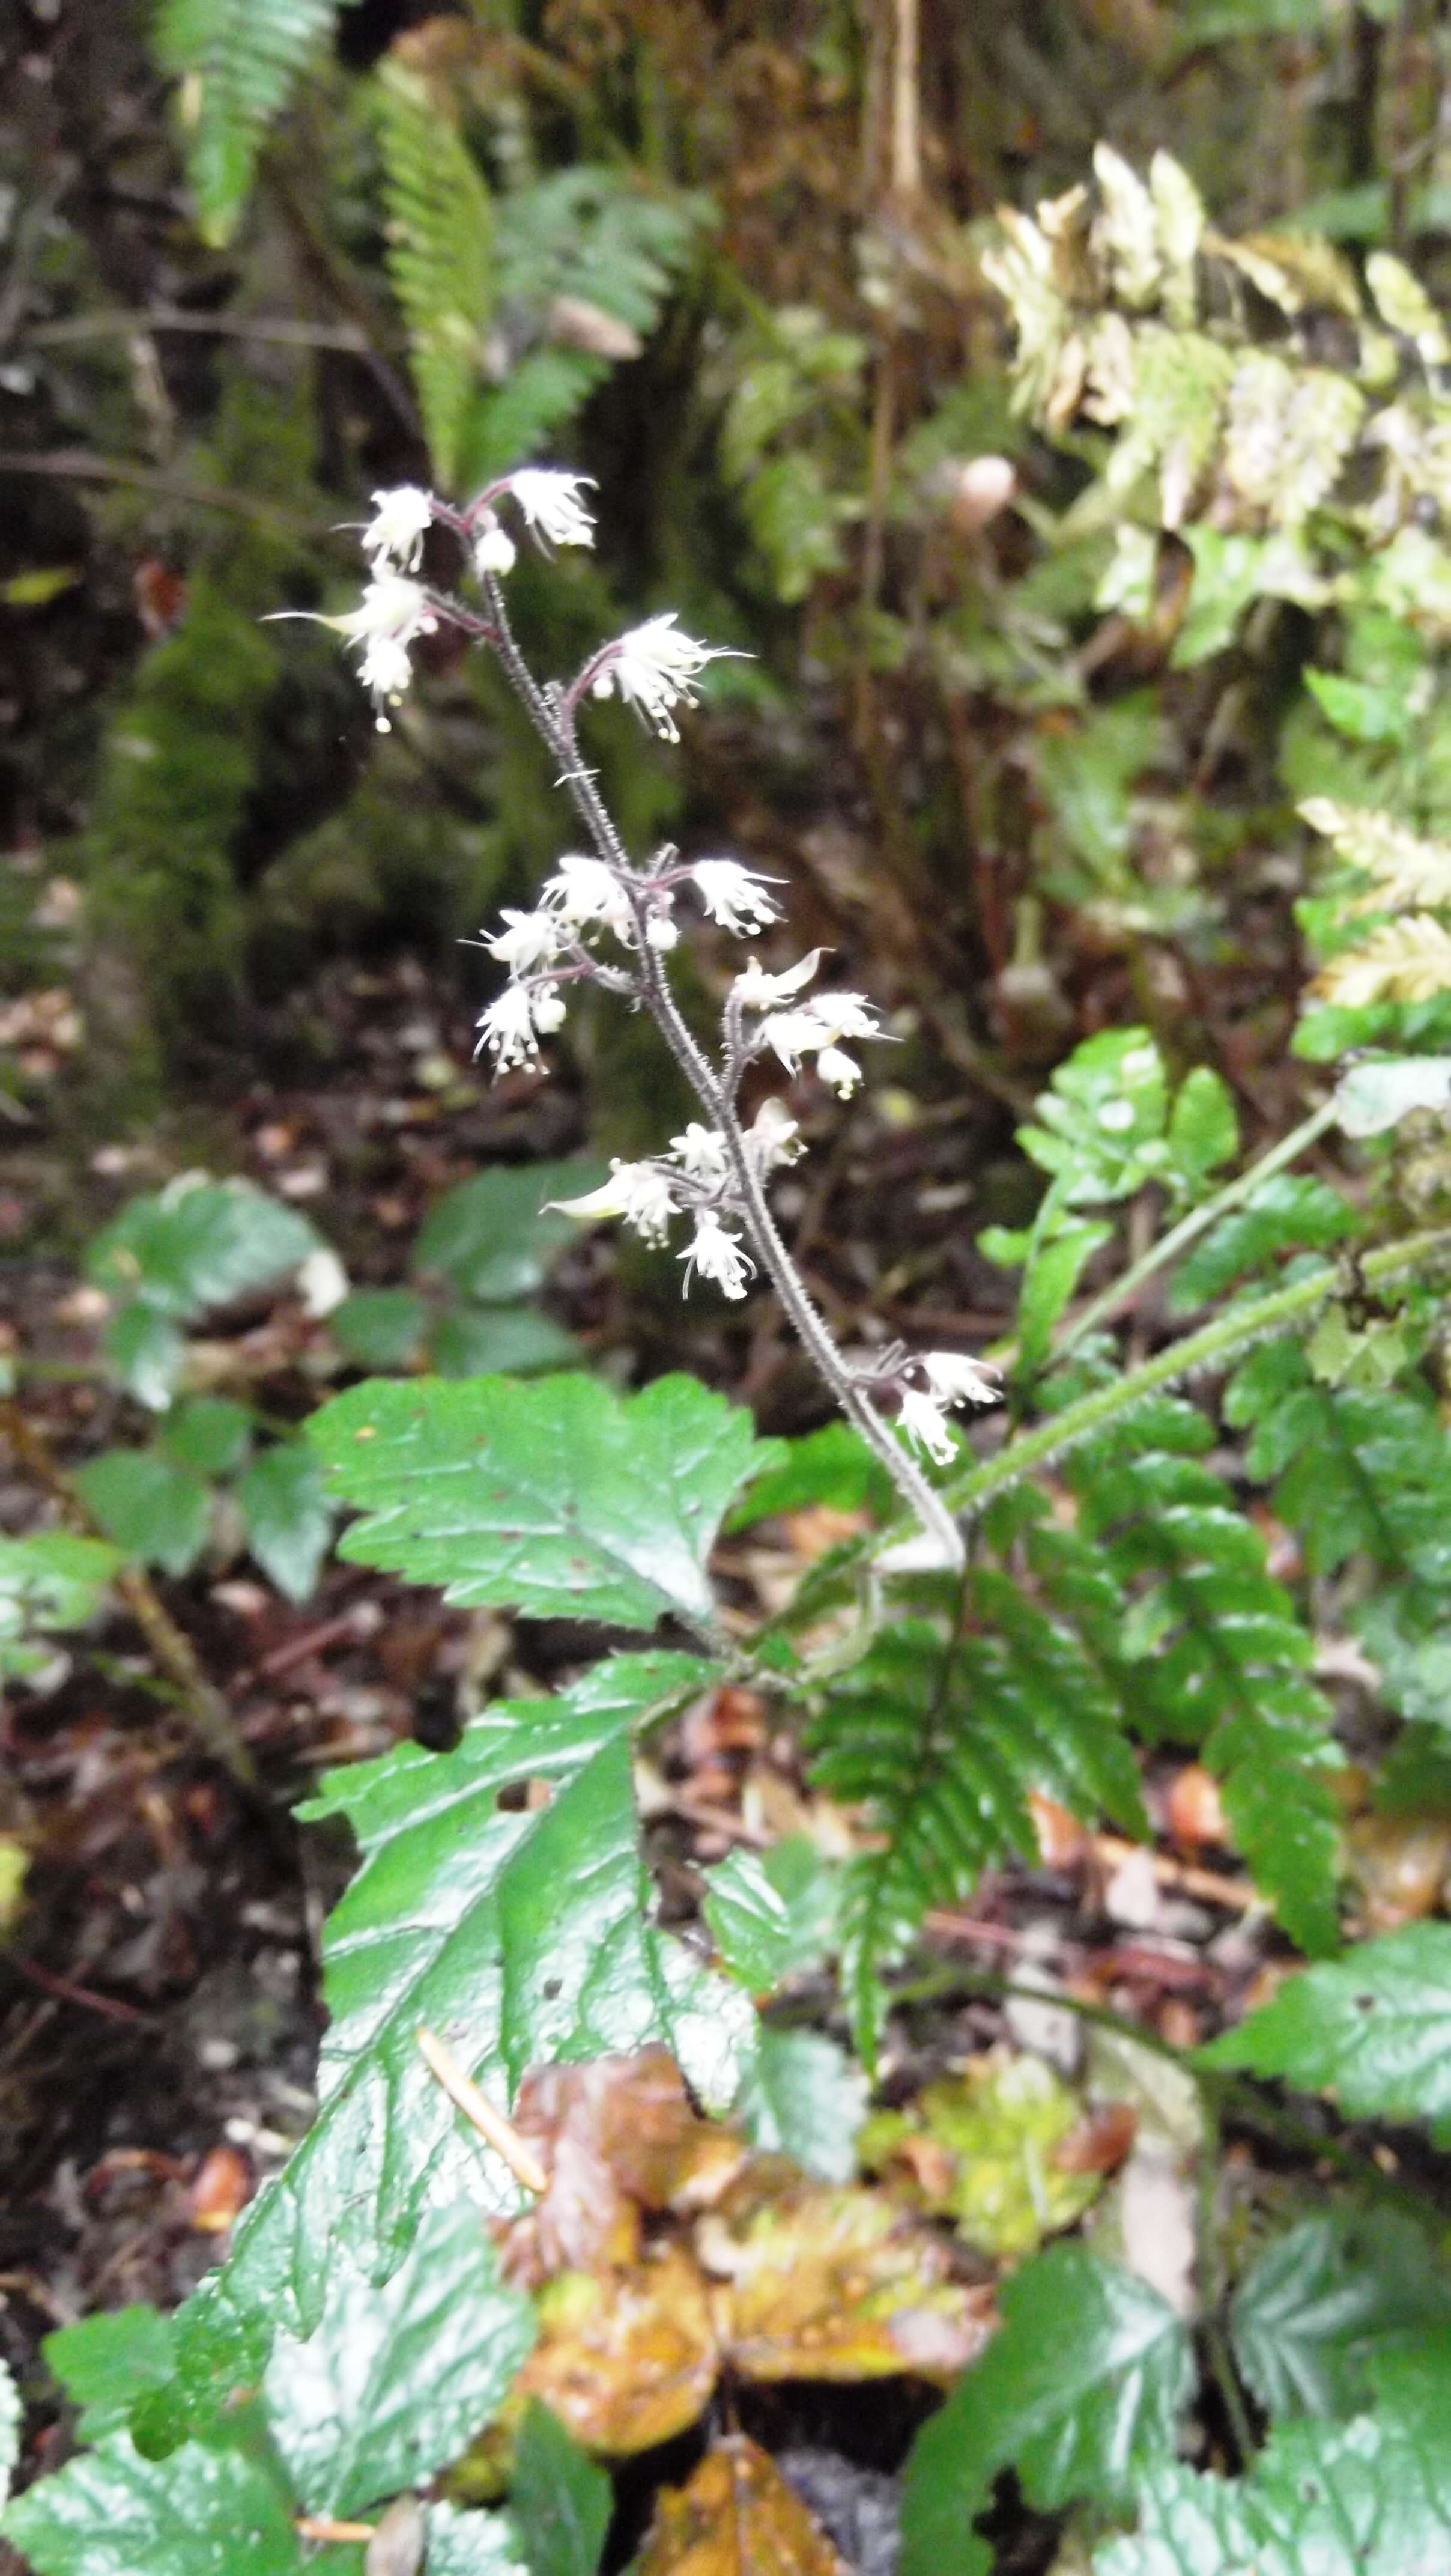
[(396, 530), (514, 1023), (816, 1027), (840, 1070), (653, 668), (532, 940), (956, 1380), (734, 897), (391, 615), (755, 990), (717, 1255), (923, 1422), (585, 890), (494, 549), (553, 510), (701, 1153), (661, 931), (638, 1192), (773, 1138)]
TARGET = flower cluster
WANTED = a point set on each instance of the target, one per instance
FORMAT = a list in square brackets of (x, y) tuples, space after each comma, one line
[(695, 1178), (600, 919)]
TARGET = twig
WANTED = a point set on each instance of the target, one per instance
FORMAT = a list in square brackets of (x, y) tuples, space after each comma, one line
[(78, 465), (110, 2007), (281, 328), (501, 2134), (321, 2526), (204, 1708)]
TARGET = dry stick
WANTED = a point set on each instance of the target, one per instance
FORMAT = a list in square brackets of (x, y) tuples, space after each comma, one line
[(203, 1707), (321, 2526), (502, 2136)]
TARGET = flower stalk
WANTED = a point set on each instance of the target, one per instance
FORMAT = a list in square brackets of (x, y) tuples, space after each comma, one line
[(601, 918)]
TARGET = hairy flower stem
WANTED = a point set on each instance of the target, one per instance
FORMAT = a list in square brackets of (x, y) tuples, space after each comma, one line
[(553, 718)]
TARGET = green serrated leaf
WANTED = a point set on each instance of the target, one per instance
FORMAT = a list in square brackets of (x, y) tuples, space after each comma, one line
[(1369, 2498), (1317, 2305), (504, 1341), (804, 2098), (559, 1497), (147, 1353), (516, 1934), (471, 2544), (1080, 2388), (104, 2362), (559, 2501), (494, 1238), (53, 1581), (287, 1515), (147, 1505), (832, 1466), (1373, 2029), (774, 1914), (1203, 1127), (197, 1244), (380, 1328), (203, 2512), (394, 2382), (207, 1432)]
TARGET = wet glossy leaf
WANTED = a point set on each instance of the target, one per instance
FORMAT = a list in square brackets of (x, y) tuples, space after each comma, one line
[(515, 1934), (394, 2381), (560, 1498), (559, 2501), (773, 1914), (287, 1515), (202, 2512), (493, 1237), (1315, 2307), (1081, 2387), (804, 2098), (104, 2362), (1372, 1096), (148, 1506), (1368, 2498), (981, 2147), (1372, 2029), (737, 2517), (470, 2544), (147, 1351)]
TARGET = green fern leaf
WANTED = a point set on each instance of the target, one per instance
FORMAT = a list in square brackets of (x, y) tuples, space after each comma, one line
[(237, 61), (1354, 1473), (1290, 1212), (943, 1741), (1218, 1654), (440, 254)]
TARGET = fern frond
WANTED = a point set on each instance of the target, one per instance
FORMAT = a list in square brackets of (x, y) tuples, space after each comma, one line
[(1220, 1655), (1290, 1212), (943, 1740), (1407, 960), (440, 254), (1353, 1473), (1403, 868), (1155, 1616), (237, 61)]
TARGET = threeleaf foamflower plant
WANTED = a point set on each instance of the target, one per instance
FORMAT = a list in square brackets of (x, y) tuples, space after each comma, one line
[(601, 918)]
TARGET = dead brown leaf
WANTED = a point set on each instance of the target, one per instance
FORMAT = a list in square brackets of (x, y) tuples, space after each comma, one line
[(737, 2517)]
